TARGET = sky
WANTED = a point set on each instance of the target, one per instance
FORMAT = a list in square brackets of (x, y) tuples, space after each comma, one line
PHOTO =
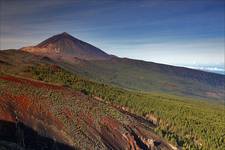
[(176, 32)]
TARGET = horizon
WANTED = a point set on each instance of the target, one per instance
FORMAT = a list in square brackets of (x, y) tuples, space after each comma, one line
[(175, 33)]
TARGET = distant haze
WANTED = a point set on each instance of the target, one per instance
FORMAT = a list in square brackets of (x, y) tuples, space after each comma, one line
[(184, 33)]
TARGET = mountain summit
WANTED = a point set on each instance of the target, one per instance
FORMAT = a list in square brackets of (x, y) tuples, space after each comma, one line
[(65, 46)]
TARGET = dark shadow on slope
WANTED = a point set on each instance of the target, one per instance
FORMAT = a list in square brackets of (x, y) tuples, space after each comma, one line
[(21, 137)]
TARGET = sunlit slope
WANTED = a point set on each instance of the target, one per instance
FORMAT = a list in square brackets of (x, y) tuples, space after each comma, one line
[(133, 74), (69, 118), (151, 77), (186, 122)]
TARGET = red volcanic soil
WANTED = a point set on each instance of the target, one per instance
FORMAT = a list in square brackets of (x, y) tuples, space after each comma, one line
[(67, 113), (74, 119), (110, 122), (7, 116), (5, 111), (86, 117), (17, 107), (29, 111), (31, 83)]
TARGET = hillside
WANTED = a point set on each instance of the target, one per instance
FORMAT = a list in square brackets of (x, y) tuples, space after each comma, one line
[(87, 60), (152, 77), (112, 75), (140, 104), (185, 122), (68, 117)]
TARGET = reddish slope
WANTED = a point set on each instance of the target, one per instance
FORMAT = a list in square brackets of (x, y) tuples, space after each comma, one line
[(31, 83), (72, 118)]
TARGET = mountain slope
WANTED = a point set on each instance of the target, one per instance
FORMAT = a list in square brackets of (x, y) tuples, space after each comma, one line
[(65, 46), (89, 61), (184, 122), (153, 77), (76, 112), (70, 117)]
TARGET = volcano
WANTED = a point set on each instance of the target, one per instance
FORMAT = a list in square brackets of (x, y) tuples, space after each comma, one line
[(91, 62), (67, 94), (65, 46)]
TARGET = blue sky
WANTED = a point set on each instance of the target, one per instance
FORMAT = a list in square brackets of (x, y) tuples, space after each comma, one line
[(177, 32)]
